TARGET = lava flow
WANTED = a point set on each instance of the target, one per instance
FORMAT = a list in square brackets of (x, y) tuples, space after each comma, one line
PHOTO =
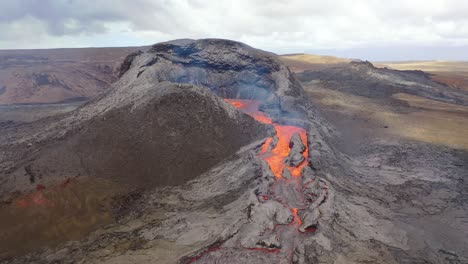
[(287, 203), (276, 156), (250, 107)]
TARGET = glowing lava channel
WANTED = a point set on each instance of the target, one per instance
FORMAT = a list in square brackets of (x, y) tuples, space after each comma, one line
[(276, 156)]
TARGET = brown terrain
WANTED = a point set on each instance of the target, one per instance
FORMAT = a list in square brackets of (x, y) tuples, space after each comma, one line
[(301, 62), (59, 75), (211, 151)]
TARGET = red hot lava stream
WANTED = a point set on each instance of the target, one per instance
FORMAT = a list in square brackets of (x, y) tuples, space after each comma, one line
[(275, 157), (287, 189)]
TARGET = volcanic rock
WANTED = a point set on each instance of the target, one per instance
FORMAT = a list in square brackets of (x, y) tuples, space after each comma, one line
[(270, 242), (264, 216), (270, 213), (274, 142), (308, 175), (309, 219), (297, 144), (295, 157), (127, 63), (287, 174)]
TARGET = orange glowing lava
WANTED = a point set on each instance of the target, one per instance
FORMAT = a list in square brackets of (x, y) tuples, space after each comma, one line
[(250, 107), (266, 145), (276, 157), (297, 218)]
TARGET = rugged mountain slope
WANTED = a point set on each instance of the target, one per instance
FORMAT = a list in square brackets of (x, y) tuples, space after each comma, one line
[(51, 76)]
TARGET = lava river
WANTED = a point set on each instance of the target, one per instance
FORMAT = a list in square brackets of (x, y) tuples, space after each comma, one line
[(288, 201), (275, 157)]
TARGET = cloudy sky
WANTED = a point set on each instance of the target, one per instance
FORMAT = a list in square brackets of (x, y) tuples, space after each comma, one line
[(366, 29)]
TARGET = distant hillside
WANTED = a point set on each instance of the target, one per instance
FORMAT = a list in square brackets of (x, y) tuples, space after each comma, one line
[(57, 75), (451, 73), (302, 62)]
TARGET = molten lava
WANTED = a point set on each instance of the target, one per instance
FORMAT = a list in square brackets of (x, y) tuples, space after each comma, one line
[(250, 107), (276, 157), (266, 145), (297, 218), (287, 188)]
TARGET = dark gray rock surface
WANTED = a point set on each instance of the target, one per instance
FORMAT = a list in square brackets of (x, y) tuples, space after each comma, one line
[(297, 147)]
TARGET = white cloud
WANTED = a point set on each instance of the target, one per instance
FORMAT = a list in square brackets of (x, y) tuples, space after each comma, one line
[(277, 25)]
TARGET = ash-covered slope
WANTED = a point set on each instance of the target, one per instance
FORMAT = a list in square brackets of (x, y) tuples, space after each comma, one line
[(171, 134), (145, 131)]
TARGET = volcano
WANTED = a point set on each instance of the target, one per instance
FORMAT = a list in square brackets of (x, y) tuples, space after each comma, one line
[(164, 123), (210, 151)]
